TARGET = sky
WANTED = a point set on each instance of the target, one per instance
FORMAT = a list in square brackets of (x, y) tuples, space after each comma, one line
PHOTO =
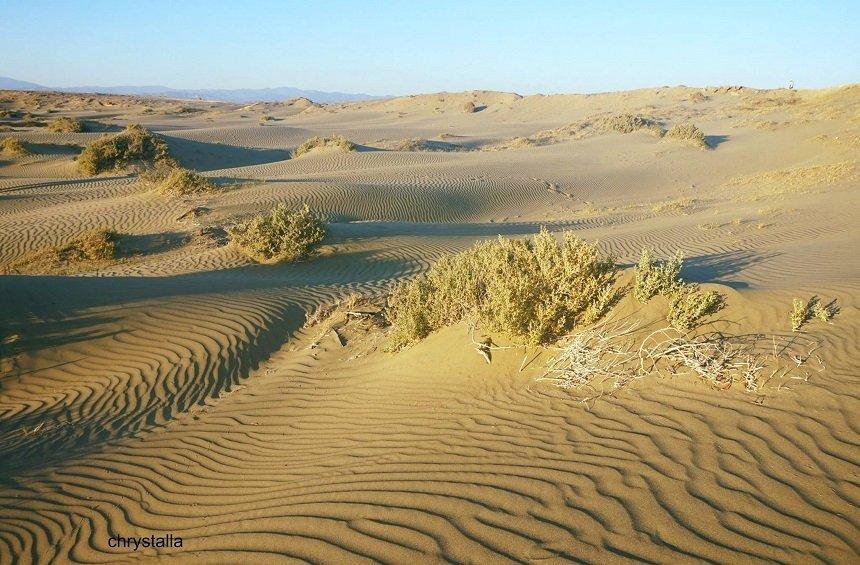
[(404, 47)]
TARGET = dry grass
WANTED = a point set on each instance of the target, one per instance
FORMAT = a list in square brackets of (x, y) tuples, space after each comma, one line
[(13, 146), (687, 133), (533, 291), (64, 124), (134, 146), (281, 235), (335, 142), (469, 107), (89, 250), (799, 180)]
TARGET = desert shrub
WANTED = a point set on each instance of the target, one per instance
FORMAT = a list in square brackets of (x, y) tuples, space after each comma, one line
[(134, 146), (688, 304), (534, 291), (13, 146), (803, 311), (183, 182), (469, 107), (338, 142), (825, 312), (799, 314), (628, 123), (64, 124), (678, 206), (653, 277), (281, 235), (687, 133), (92, 247)]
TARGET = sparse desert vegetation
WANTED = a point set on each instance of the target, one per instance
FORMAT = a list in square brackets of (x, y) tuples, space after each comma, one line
[(184, 182), (64, 124), (688, 133), (534, 291), (281, 235), (89, 250), (134, 146), (13, 146), (333, 142), (628, 123), (677, 206)]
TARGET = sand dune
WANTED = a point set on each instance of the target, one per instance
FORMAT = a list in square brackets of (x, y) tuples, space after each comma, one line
[(176, 391)]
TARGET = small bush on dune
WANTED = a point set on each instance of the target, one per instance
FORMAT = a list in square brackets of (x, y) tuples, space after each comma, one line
[(92, 247), (653, 278), (337, 142), (64, 124), (803, 311), (184, 182), (469, 107), (134, 146), (281, 235), (534, 291), (628, 123), (687, 133), (13, 146), (799, 314), (688, 304)]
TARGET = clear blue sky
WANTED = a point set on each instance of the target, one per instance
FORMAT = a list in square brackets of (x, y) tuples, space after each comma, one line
[(401, 47)]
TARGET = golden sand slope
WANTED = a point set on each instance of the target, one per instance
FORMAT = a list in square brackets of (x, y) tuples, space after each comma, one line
[(174, 392)]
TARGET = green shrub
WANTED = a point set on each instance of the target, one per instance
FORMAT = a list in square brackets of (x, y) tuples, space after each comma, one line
[(338, 142), (687, 133), (182, 182), (824, 312), (281, 235), (799, 314), (64, 124), (534, 291), (134, 146), (688, 305), (653, 278), (13, 146)]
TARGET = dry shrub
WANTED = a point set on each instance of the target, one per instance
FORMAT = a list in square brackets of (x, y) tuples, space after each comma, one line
[(91, 248), (653, 277), (13, 146), (688, 304), (418, 144), (687, 133), (183, 182), (281, 235), (628, 123), (469, 107), (677, 206), (803, 311), (534, 291), (338, 142), (134, 146), (64, 124)]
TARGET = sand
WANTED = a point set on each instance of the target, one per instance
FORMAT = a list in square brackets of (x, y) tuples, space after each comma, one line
[(176, 392)]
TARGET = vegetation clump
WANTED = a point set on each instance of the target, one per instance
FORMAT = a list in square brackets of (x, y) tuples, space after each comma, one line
[(134, 146), (469, 107), (678, 206), (183, 182), (628, 123), (65, 124), (688, 304), (803, 311), (13, 146), (338, 142), (89, 249), (689, 134), (281, 235), (534, 291)]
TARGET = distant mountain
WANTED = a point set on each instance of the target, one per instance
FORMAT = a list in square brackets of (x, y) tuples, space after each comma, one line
[(241, 95)]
